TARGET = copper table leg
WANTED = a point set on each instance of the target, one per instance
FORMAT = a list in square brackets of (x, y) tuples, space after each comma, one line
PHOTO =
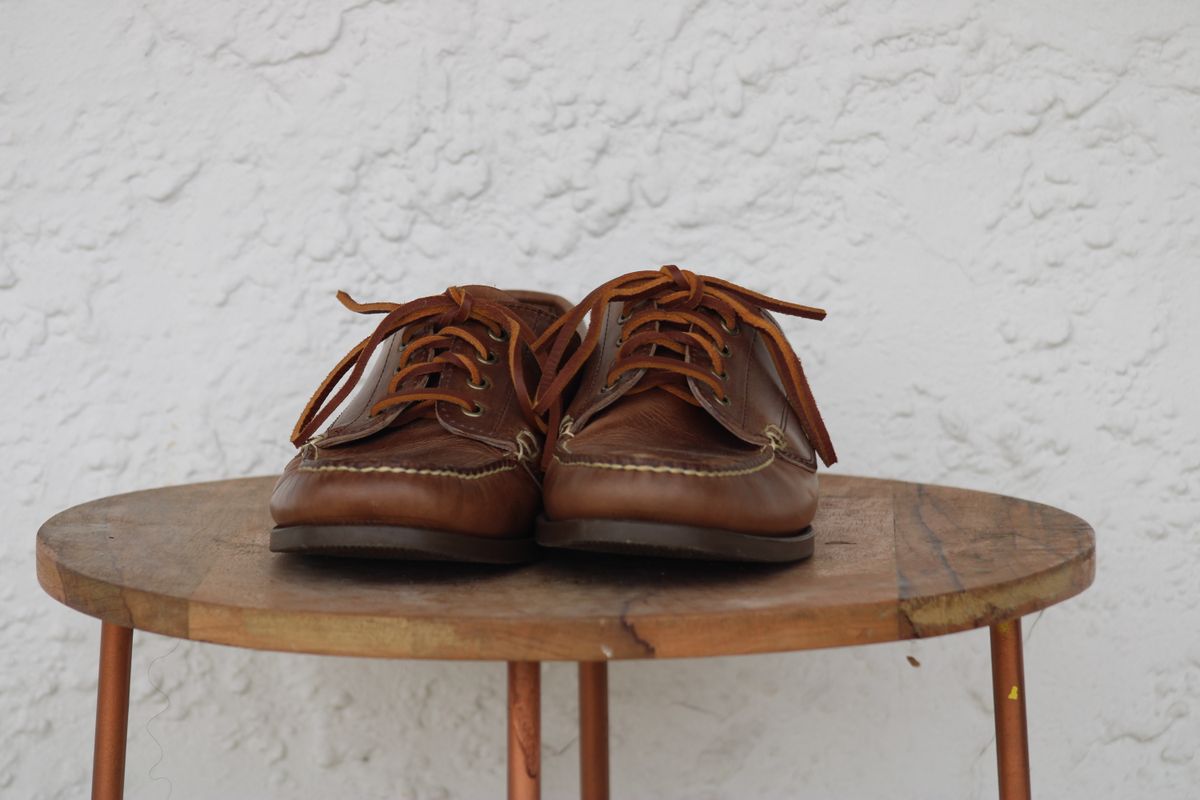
[(112, 712), (593, 730), (524, 730), (1008, 694)]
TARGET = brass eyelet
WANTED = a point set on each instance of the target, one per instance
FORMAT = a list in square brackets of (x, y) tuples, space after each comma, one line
[(722, 374), (734, 331), (479, 386), (500, 337), (624, 317), (726, 352), (477, 411), (491, 358), (724, 400), (606, 388)]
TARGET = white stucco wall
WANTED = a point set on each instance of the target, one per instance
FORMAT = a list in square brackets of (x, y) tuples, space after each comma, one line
[(999, 204)]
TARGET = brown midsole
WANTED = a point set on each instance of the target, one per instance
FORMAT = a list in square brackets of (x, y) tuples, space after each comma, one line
[(389, 541), (672, 541)]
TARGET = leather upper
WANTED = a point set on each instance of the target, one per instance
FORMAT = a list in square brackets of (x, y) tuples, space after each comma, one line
[(647, 444), (429, 463)]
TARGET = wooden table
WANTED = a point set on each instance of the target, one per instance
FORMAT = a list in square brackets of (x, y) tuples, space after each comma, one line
[(894, 561)]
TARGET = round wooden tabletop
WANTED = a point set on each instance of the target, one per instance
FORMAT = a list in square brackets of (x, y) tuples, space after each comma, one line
[(894, 561)]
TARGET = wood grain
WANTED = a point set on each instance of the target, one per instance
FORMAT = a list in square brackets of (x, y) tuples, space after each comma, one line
[(894, 561)]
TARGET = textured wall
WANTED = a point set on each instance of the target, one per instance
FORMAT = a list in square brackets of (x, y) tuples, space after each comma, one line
[(999, 205)]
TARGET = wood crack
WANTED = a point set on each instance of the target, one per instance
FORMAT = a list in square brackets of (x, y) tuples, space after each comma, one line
[(631, 629)]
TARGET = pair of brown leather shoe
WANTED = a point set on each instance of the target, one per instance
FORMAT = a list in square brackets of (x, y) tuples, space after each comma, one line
[(666, 414)]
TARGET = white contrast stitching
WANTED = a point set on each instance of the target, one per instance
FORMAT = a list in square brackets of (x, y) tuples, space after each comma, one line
[(447, 473), (775, 435), (566, 432), (527, 446), (695, 473)]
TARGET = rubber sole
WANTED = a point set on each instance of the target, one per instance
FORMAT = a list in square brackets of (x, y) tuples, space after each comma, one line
[(405, 544), (635, 537)]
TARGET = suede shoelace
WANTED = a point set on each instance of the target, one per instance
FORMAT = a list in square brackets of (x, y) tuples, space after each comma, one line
[(433, 325), (686, 316)]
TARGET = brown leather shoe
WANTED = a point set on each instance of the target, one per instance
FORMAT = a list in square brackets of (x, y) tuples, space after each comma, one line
[(436, 456), (692, 433)]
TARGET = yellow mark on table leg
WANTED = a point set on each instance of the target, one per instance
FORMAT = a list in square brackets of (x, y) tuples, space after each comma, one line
[(1014, 694)]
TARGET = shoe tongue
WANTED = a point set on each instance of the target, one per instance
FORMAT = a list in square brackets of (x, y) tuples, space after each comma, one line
[(489, 293), (535, 311)]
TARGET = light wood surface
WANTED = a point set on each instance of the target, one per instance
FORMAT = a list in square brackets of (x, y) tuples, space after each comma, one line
[(894, 561)]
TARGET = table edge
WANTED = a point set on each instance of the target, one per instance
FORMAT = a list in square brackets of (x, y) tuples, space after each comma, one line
[(626, 638)]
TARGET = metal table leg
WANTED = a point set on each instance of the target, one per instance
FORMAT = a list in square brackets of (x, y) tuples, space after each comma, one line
[(112, 712), (593, 730), (1008, 694), (524, 730)]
